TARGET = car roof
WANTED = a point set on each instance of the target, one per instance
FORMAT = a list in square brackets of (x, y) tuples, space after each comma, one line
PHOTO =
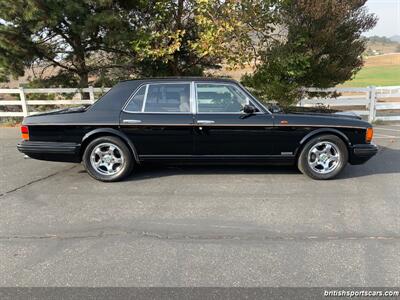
[(182, 78)]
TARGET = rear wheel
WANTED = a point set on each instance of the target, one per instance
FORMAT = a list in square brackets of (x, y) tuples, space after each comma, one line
[(107, 159), (323, 157)]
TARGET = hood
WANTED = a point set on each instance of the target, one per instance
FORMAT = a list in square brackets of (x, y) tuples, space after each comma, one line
[(318, 111)]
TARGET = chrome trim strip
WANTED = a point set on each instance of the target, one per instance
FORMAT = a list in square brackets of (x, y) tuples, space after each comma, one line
[(132, 121), (252, 125), (214, 156), (318, 125), (205, 122), (216, 125), (74, 124), (160, 124), (202, 125)]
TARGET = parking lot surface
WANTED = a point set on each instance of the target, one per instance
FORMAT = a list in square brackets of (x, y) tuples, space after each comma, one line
[(200, 226)]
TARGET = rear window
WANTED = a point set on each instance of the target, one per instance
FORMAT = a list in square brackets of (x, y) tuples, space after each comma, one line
[(162, 98), (136, 103)]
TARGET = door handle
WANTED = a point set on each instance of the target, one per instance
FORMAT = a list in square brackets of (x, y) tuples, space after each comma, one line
[(205, 122), (132, 121)]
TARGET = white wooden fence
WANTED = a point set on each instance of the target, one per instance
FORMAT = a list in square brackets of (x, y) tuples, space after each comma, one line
[(24, 102), (369, 100)]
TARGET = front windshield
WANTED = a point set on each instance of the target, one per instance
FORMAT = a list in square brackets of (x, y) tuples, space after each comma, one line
[(254, 99)]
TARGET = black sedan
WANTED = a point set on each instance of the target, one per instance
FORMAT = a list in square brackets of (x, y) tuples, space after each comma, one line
[(193, 120)]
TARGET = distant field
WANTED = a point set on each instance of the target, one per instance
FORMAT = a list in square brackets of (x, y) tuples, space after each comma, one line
[(379, 76), (381, 70), (383, 47), (383, 60)]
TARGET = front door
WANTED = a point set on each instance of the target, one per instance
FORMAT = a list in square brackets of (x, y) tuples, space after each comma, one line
[(158, 120), (223, 130)]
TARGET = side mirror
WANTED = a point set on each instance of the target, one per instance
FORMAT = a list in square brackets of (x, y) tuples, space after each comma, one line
[(275, 109), (249, 109)]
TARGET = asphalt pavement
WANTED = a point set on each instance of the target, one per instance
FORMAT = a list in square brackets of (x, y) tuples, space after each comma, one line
[(200, 225)]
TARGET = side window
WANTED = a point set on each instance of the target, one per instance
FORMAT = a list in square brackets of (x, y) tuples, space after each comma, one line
[(219, 98), (136, 102), (168, 98)]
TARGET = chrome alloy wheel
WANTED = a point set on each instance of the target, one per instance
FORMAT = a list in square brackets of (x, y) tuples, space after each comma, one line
[(107, 159), (324, 157)]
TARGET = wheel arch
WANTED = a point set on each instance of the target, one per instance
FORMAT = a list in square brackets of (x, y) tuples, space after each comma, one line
[(322, 131), (91, 135)]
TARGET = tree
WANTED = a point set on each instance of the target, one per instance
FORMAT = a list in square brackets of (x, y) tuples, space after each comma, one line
[(165, 48), (293, 43), (322, 48), (116, 38), (195, 35), (79, 38)]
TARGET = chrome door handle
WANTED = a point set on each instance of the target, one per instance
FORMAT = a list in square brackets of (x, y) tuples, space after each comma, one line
[(132, 121), (205, 122)]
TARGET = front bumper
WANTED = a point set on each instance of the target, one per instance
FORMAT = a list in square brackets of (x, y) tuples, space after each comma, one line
[(361, 153), (52, 151)]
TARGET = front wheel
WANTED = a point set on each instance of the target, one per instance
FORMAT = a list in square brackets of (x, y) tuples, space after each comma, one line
[(323, 157), (107, 159)]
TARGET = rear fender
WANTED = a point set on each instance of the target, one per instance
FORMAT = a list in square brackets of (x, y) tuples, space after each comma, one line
[(104, 131)]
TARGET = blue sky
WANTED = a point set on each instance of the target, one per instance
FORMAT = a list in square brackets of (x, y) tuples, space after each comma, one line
[(388, 12)]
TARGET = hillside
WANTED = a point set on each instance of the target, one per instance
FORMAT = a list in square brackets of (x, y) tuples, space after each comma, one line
[(382, 45), (395, 38)]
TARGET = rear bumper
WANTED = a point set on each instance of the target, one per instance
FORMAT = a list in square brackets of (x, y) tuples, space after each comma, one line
[(52, 151), (361, 153)]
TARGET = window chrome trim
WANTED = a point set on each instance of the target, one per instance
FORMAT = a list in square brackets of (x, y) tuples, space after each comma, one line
[(145, 99), (159, 113), (193, 105), (250, 99)]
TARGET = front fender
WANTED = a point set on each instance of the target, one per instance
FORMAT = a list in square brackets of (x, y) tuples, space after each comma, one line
[(322, 131)]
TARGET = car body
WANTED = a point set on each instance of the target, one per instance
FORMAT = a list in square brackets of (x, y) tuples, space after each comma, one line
[(192, 120)]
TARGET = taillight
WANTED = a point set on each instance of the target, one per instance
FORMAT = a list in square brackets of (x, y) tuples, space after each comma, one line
[(369, 134), (25, 132)]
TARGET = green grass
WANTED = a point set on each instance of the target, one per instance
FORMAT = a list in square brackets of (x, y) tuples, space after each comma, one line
[(378, 76)]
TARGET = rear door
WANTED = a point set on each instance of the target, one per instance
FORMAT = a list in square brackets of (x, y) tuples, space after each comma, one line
[(222, 129), (158, 120)]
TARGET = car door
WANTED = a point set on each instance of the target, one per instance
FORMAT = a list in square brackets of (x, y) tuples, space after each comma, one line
[(158, 120), (221, 127)]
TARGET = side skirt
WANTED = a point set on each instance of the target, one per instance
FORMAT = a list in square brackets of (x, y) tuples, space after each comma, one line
[(220, 159)]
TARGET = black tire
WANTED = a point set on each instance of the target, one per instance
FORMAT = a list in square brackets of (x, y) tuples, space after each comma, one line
[(124, 169), (303, 159)]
